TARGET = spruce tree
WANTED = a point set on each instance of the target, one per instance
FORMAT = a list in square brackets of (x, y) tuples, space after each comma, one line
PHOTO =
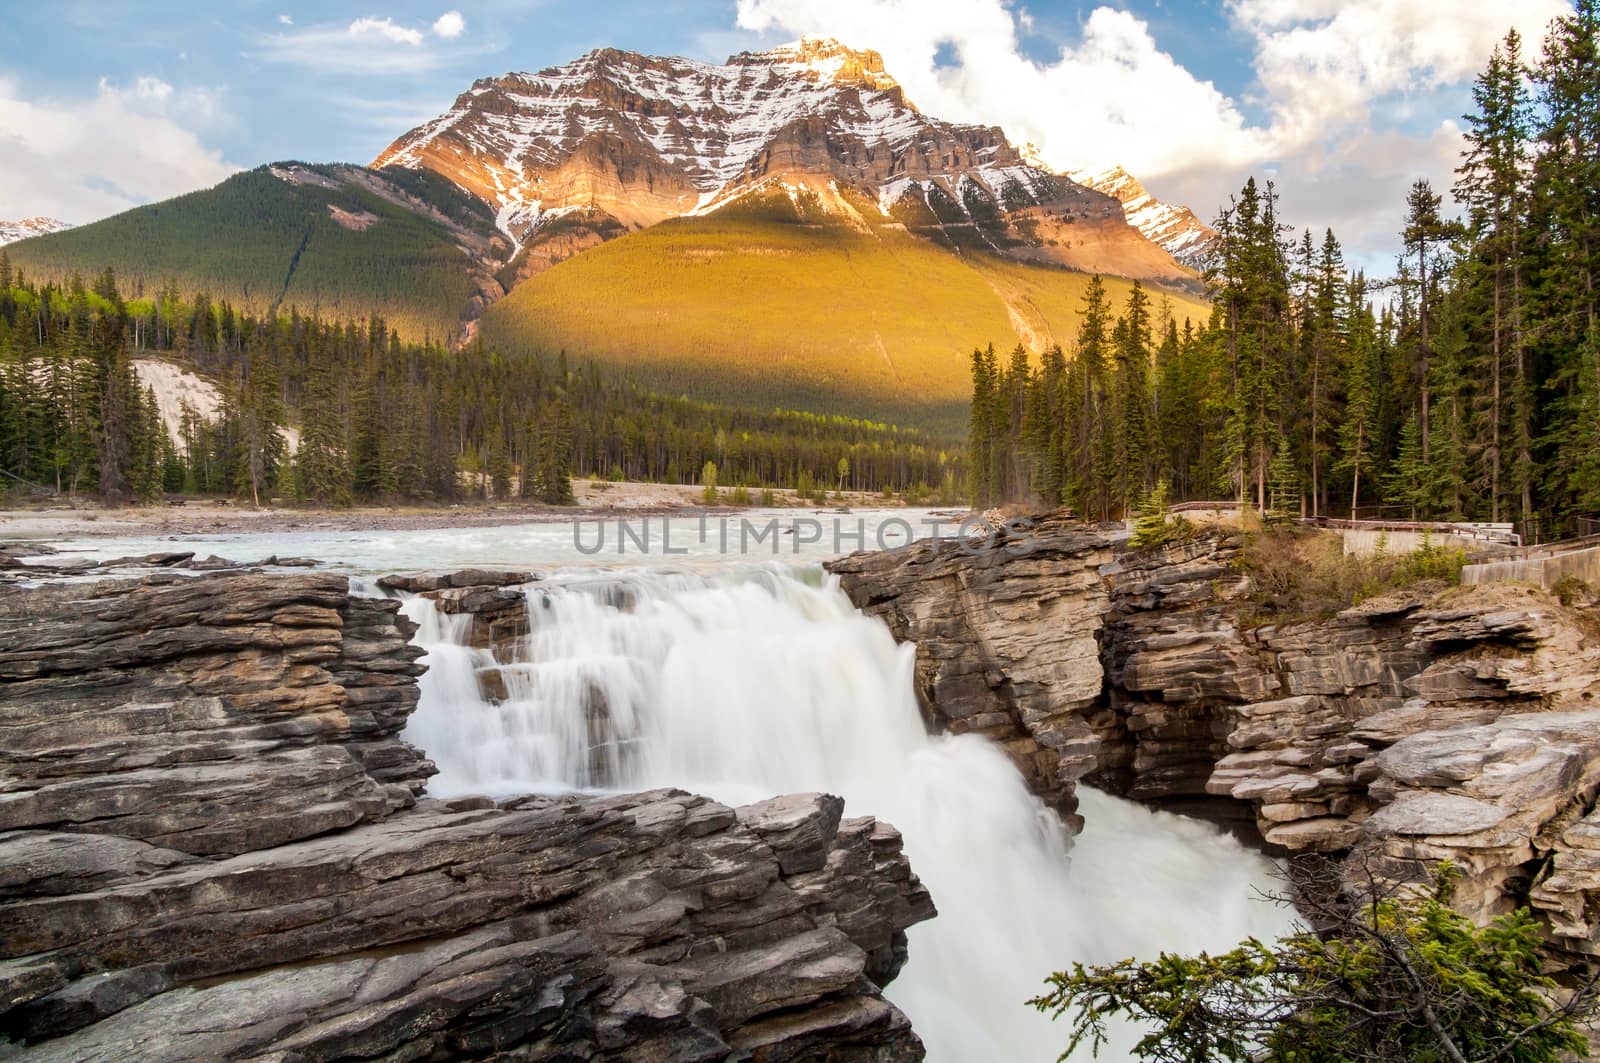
[(1491, 181)]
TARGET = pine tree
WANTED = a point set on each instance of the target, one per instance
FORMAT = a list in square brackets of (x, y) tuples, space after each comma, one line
[(1424, 228), (554, 475), (322, 462), (1089, 444), (1565, 197), (1358, 432), (1491, 181), (985, 452), (1405, 485), (1131, 407), (1325, 328), (261, 418)]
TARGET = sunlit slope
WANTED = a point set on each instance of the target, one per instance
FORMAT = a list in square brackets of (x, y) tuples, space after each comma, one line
[(340, 240), (776, 302)]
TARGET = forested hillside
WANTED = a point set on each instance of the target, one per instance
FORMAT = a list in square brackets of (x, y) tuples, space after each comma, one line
[(1466, 386), (379, 419), (779, 299), (339, 241)]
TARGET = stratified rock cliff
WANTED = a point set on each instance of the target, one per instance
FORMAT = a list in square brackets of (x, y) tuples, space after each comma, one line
[(1007, 644), (213, 845), (1435, 723)]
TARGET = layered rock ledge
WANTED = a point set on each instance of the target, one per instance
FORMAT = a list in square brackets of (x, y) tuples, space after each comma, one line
[(215, 844), (1432, 723)]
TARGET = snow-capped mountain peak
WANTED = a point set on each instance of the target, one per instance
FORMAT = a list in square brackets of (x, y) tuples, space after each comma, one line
[(12, 231), (615, 140), (1176, 229), (824, 59), (645, 138)]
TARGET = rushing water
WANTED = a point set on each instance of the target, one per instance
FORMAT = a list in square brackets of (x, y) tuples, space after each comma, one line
[(743, 680), (748, 681), (616, 539)]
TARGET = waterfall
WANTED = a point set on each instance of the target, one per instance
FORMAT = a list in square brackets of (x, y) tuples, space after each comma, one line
[(754, 681)]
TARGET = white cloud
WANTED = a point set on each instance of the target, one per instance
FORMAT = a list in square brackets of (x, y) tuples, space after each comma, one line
[(286, 20), (385, 29), (1114, 95), (1320, 64), (1325, 72), (79, 160), (147, 89), (368, 45), (450, 25)]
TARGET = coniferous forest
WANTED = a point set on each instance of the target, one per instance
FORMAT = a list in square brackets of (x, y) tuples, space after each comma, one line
[(378, 420), (1464, 386)]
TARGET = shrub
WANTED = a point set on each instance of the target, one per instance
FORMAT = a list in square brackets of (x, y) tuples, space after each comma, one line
[(1403, 977), (1573, 591), (708, 477), (1154, 526), (1298, 573)]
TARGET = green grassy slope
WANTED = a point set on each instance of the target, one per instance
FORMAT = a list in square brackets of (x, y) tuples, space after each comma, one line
[(772, 302), (258, 240)]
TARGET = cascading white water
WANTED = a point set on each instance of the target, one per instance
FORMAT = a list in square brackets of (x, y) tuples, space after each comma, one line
[(758, 681)]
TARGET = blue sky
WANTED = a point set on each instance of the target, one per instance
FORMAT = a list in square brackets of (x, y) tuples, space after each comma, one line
[(270, 109), (105, 104)]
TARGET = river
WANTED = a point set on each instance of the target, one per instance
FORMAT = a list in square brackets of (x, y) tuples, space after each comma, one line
[(743, 674)]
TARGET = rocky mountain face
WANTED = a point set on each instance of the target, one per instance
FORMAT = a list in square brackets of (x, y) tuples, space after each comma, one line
[(213, 845), (12, 231), (1174, 229), (1421, 726), (626, 140)]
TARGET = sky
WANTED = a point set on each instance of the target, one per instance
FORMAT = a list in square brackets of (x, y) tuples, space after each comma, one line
[(105, 105)]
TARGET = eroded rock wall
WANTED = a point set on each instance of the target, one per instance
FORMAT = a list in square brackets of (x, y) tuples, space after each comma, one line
[(213, 844), (1007, 643), (1431, 723)]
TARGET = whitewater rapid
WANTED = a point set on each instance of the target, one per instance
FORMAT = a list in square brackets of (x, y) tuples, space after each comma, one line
[(751, 681)]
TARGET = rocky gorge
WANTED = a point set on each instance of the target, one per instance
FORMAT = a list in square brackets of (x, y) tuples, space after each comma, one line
[(214, 844), (1426, 724)]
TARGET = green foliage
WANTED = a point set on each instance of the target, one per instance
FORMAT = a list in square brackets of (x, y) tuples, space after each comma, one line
[(1403, 978), (708, 481), (378, 419), (1155, 526), (263, 242), (1573, 591), (1430, 561), (1300, 574), (1473, 395)]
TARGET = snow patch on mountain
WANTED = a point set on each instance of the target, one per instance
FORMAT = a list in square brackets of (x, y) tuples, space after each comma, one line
[(1176, 229), (713, 124), (638, 139), (12, 231)]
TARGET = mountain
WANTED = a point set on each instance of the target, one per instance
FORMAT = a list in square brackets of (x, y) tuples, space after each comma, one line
[(12, 231), (617, 141), (343, 240), (778, 300), (785, 228), (1175, 229)]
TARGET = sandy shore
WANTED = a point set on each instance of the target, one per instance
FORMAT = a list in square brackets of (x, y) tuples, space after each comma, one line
[(595, 498)]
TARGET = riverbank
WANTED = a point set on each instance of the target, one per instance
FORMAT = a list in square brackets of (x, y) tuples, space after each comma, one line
[(594, 498)]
